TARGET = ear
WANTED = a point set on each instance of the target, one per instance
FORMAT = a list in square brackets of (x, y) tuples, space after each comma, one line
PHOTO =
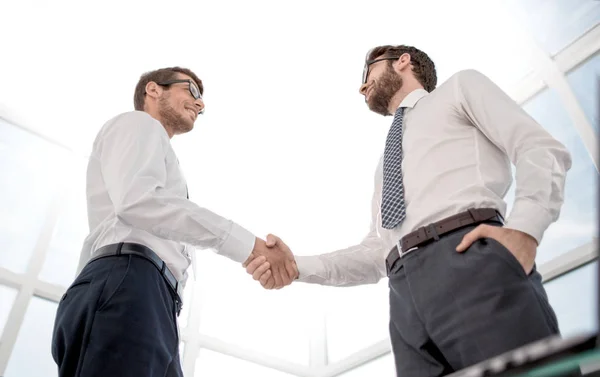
[(403, 63), (153, 89)]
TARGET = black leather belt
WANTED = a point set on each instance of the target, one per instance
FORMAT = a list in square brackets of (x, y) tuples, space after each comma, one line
[(129, 248), (434, 231)]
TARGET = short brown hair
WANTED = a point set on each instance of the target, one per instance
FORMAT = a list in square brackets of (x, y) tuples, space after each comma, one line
[(160, 75), (423, 66)]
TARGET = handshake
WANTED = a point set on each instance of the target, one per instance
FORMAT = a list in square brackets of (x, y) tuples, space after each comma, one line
[(272, 263)]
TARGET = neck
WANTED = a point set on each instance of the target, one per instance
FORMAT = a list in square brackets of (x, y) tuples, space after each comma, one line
[(155, 114), (410, 85), (168, 129)]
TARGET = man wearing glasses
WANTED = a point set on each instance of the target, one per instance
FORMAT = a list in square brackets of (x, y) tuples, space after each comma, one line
[(463, 282), (119, 316)]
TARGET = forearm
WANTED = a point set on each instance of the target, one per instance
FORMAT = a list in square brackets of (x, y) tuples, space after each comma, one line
[(355, 265), (178, 219), (540, 181)]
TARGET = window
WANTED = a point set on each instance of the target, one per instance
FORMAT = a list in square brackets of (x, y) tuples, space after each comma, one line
[(7, 298), (27, 188), (236, 309), (187, 303), (181, 351), (556, 24), (577, 223), (31, 355), (215, 364), (585, 83), (487, 50), (70, 231), (574, 297), (383, 366), (357, 317)]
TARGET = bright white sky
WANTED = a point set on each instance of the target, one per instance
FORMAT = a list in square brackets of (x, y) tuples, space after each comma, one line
[(287, 144)]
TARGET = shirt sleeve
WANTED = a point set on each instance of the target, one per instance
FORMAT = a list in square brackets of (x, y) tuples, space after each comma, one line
[(541, 161), (359, 264), (132, 152)]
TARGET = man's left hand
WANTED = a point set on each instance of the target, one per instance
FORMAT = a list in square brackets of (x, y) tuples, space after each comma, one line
[(521, 245)]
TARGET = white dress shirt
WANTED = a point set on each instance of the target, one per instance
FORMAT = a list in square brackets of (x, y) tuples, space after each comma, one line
[(136, 192), (458, 145)]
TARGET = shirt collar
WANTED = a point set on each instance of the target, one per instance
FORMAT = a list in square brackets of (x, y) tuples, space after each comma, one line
[(413, 97)]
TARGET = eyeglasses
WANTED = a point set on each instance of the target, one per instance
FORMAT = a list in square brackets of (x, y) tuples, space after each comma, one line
[(193, 88), (369, 62)]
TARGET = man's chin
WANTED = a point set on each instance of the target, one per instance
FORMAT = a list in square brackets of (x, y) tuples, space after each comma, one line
[(184, 128), (378, 109)]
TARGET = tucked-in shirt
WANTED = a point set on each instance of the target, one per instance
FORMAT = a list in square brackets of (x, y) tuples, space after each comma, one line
[(136, 192), (458, 145)]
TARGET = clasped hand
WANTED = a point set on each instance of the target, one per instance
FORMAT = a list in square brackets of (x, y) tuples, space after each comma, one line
[(272, 263)]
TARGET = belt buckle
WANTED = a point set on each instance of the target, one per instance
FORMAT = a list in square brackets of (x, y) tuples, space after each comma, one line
[(402, 253)]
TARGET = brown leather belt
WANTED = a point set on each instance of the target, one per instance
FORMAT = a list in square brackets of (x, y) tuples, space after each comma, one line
[(435, 230)]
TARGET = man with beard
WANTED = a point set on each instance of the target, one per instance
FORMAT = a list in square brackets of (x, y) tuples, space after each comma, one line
[(463, 282), (119, 317)]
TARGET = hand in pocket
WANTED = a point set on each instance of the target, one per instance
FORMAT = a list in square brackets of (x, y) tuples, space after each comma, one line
[(520, 244)]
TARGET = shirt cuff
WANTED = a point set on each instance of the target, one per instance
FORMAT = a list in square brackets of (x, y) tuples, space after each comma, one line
[(529, 217), (238, 245), (310, 269)]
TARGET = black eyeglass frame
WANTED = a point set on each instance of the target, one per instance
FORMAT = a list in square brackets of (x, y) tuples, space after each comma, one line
[(194, 90)]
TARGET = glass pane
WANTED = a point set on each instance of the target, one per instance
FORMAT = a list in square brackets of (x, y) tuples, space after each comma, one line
[(381, 367), (576, 312), (185, 309), (70, 230), (556, 24), (585, 82), (27, 185), (494, 40), (577, 223), (7, 298), (181, 351), (215, 364), (238, 310), (33, 342), (357, 317)]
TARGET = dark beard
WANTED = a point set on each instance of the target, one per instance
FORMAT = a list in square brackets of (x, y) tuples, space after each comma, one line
[(385, 88), (171, 118)]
